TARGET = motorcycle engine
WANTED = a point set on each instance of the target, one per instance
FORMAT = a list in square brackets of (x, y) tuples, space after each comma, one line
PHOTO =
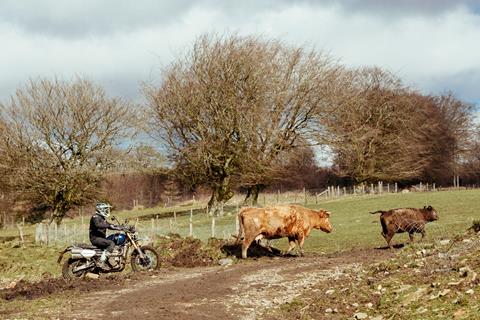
[(114, 261)]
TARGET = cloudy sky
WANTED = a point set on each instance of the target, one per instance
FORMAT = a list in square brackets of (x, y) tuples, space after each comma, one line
[(433, 45)]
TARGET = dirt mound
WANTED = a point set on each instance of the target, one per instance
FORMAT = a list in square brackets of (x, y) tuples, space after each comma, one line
[(33, 290), (188, 252)]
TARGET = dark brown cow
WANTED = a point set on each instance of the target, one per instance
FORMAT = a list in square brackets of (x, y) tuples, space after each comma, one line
[(292, 221), (409, 220)]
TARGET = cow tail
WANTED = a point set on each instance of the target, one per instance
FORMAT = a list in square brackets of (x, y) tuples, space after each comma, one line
[(378, 211)]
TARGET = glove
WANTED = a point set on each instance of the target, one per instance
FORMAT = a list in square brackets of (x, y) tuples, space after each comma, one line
[(116, 227)]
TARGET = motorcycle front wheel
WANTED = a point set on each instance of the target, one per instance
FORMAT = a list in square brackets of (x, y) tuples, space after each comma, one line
[(69, 266), (150, 260)]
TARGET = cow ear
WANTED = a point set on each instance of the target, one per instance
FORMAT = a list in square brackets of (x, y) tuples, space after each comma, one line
[(429, 208), (424, 207), (327, 214)]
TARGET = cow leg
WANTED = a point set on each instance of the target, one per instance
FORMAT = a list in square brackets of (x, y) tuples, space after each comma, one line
[(423, 233), (410, 235), (301, 240), (388, 238), (291, 244), (247, 241)]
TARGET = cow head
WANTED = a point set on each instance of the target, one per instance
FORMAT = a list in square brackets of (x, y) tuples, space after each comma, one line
[(323, 222), (430, 213)]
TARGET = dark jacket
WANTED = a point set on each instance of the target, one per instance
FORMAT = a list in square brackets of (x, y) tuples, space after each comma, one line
[(99, 226)]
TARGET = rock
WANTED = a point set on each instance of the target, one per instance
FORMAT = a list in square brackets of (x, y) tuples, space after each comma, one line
[(360, 315), (467, 240), (225, 262), (414, 296), (377, 318), (329, 310), (369, 305), (444, 242), (92, 275), (355, 305), (331, 291), (469, 291), (421, 310)]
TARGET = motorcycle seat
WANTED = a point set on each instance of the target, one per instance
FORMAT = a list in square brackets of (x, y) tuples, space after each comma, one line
[(85, 246)]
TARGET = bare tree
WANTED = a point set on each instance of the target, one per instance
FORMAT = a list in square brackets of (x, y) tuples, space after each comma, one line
[(373, 130), (57, 142), (205, 108), (232, 106), (300, 88)]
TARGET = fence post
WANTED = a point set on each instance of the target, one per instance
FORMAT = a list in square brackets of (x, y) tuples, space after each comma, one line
[(344, 191), (47, 228), (237, 226), (278, 196), (433, 186), (83, 226), (190, 233), (19, 226), (388, 187), (396, 187), (316, 198), (305, 196), (38, 234), (371, 188), (152, 221), (213, 227)]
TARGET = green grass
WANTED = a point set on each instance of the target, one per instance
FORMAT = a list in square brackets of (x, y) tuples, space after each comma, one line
[(354, 227)]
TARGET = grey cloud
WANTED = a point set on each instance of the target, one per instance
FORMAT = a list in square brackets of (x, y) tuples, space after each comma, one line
[(78, 18), (404, 7)]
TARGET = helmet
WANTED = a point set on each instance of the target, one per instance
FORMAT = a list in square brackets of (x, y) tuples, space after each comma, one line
[(103, 209)]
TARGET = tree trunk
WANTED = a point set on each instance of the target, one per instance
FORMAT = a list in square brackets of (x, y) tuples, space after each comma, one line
[(252, 195), (220, 195)]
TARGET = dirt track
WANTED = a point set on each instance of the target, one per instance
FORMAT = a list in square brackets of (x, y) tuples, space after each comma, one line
[(242, 291)]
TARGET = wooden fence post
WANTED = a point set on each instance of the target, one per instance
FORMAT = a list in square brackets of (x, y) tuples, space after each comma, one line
[(213, 227), (278, 196), (433, 187), (20, 230), (237, 226), (47, 228), (152, 221), (344, 191), (396, 187), (190, 233), (305, 196)]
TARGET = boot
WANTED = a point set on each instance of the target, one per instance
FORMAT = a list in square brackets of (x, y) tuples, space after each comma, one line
[(102, 261)]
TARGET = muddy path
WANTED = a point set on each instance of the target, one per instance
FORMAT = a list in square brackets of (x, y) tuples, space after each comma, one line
[(246, 290)]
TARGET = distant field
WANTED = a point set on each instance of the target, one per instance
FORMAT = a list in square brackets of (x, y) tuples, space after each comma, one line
[(354, 227)]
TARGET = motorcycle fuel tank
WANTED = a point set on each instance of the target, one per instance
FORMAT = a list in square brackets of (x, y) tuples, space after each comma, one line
[(82, 253), (118, 238)]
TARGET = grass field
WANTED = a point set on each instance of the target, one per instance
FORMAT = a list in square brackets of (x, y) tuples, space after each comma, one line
[(354, 227)]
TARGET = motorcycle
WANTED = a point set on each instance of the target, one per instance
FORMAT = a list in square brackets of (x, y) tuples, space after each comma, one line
[(85, 258)]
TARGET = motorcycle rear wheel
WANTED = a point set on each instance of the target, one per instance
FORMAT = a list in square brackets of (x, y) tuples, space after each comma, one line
[(69, 265), (150, 262)]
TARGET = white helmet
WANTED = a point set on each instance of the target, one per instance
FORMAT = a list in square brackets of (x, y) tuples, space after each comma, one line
[(103, 209)]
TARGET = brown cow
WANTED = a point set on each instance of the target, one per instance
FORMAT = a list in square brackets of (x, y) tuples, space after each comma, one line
[(292, 221), (409, 220)]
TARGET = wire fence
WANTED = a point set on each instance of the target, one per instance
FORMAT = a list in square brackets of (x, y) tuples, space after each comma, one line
[(203, 226)]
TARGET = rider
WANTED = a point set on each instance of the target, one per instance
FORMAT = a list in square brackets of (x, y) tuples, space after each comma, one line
[(98, 231)]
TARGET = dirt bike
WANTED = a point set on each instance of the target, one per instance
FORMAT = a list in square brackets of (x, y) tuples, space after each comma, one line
[(85, 258)]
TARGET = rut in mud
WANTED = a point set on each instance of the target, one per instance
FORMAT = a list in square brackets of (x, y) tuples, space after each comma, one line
[(240, 291)]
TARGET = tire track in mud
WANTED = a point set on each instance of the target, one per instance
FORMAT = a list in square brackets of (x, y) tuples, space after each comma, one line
[(242, 291)]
